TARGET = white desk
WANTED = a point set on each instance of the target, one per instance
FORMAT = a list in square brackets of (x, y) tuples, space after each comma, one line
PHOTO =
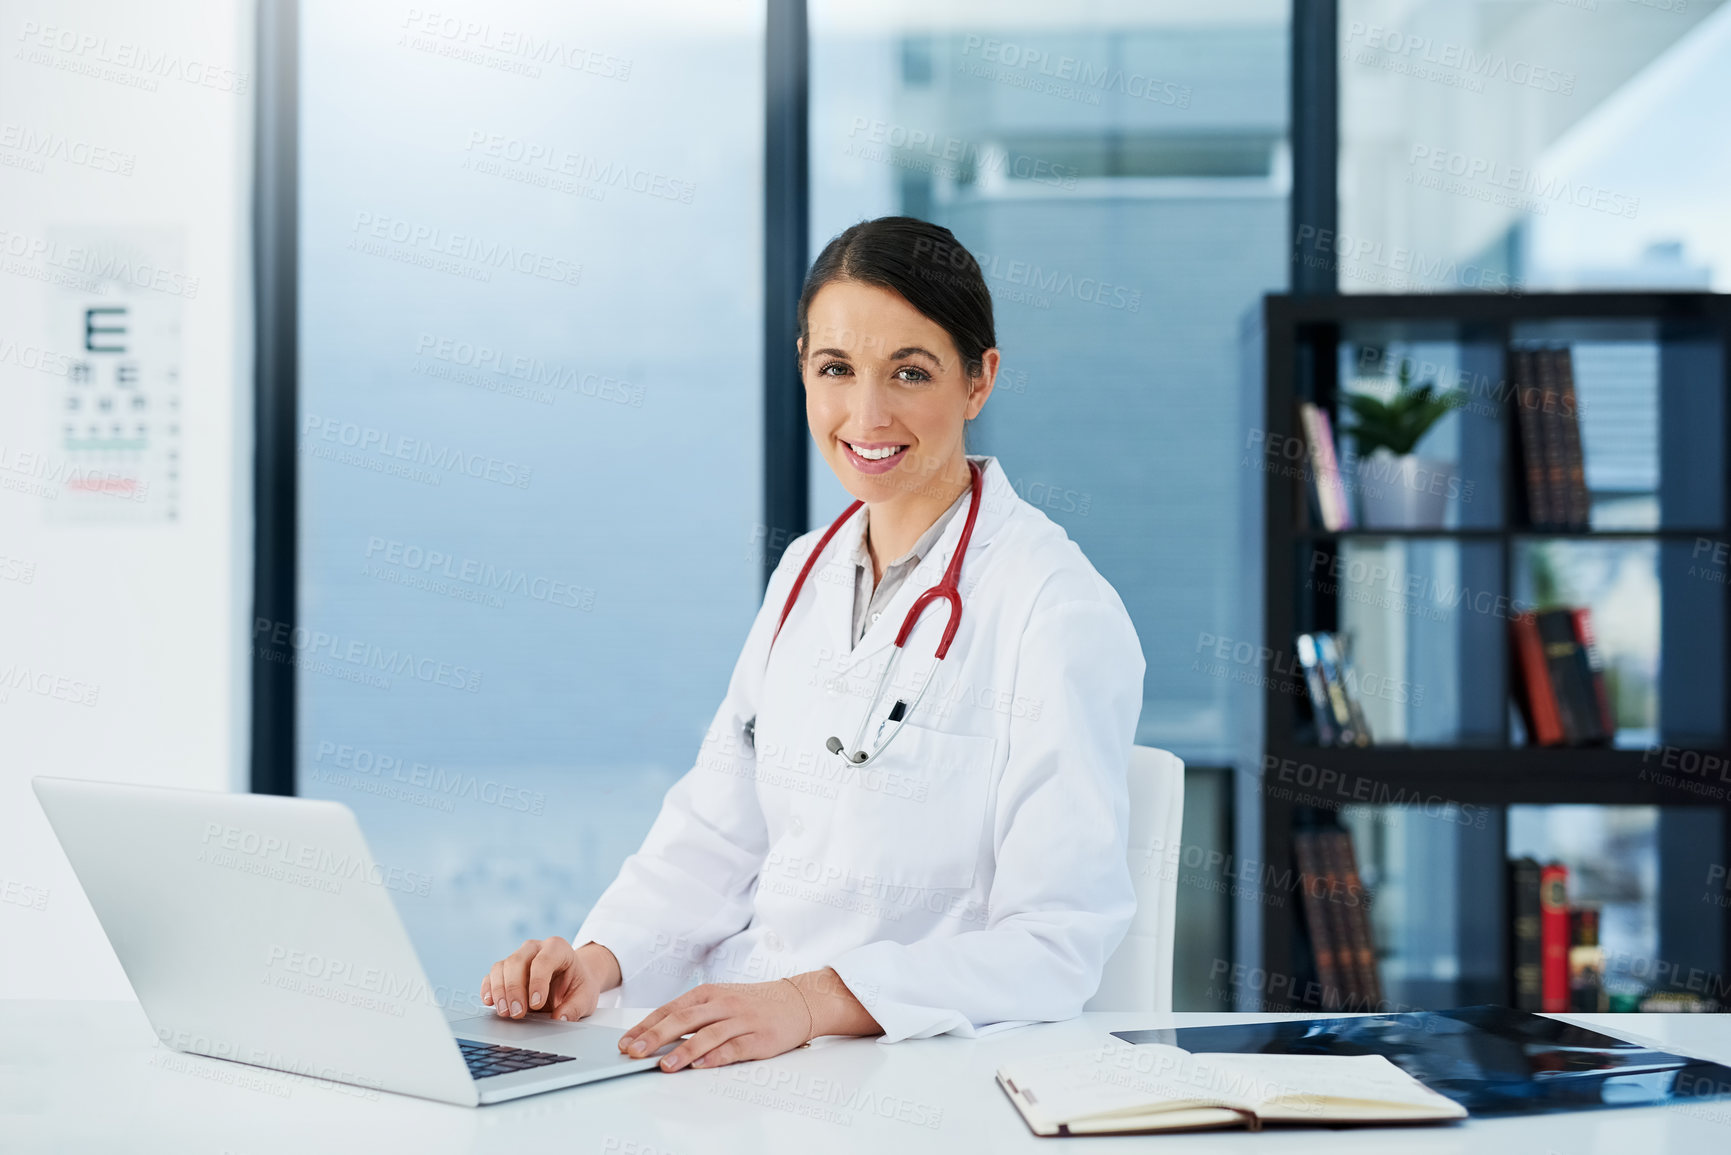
[(91, 1077)]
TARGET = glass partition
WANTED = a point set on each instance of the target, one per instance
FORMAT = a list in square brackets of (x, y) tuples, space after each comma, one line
[(530, 419)]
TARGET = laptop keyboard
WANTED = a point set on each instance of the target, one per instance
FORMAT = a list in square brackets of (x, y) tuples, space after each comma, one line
[(487, 1059)]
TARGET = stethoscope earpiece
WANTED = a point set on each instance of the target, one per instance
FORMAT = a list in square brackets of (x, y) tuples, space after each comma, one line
[(834, 746)]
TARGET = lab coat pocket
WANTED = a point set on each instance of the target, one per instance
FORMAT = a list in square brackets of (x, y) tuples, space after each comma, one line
[(915, 815)]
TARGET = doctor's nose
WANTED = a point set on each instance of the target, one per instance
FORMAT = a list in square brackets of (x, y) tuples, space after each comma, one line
[(872, 410)]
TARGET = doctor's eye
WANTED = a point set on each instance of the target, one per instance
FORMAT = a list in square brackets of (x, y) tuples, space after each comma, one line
[(913, 374), (824, 370)]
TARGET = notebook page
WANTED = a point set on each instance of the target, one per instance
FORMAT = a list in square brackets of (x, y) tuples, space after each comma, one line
[(1310, 1085), (1122, 1079), (1173, 1119)]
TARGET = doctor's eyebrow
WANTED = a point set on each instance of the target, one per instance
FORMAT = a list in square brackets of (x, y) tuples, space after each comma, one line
[(905, 351), (910, 350)]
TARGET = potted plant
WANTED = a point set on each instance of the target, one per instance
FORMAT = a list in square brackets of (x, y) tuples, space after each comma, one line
[(1397, 488)]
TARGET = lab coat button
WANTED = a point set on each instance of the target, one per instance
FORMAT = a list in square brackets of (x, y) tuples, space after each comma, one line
[(773, 941)]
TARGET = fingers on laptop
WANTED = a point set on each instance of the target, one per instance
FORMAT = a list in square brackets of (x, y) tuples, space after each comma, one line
[(500, 987), (495, 993), (515, 974), (540, 974), (548, 965), (573, 997)]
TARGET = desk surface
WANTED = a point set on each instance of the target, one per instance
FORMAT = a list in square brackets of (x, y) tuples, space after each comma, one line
[(91, 1076)]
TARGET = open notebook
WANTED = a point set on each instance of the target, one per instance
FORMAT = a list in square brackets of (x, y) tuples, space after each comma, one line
[(1117, 1088)]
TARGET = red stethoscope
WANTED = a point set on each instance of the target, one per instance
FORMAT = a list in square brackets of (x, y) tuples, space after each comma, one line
[(948, 590)]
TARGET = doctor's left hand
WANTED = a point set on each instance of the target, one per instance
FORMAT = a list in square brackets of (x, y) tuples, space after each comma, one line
[(733, 1022)]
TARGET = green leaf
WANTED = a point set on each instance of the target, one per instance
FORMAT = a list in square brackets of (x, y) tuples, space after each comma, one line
[(1401, 422)]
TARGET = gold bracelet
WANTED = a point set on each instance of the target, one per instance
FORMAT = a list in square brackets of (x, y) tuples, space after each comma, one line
[(811, 1023)]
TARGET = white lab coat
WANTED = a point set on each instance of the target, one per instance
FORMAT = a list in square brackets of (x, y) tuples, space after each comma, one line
[(975, 876)]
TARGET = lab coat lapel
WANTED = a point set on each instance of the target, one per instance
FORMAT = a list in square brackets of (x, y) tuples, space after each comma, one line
[(834, 577)]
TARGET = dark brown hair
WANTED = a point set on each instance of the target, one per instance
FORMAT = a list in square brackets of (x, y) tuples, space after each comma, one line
[(925, 265)]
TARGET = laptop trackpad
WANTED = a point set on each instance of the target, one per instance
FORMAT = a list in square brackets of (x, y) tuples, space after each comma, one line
[(592, 1042)]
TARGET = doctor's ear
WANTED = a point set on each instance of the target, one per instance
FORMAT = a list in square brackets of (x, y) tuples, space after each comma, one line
[(980, 384)]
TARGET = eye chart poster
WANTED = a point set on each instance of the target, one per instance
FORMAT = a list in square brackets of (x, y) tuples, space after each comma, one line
[(115, 305)]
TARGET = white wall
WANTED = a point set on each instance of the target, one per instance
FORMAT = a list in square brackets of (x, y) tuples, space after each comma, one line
[(125, 574)]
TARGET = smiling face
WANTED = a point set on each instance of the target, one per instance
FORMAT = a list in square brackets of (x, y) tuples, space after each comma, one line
[(886, 394)]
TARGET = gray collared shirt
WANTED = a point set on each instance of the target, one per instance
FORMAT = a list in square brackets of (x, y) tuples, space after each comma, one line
[(868, 604)]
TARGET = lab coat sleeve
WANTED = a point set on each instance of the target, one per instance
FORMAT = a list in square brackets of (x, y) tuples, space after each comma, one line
[(690, 884), (1061, 898)]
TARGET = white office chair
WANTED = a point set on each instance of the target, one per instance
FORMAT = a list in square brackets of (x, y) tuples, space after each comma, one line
[(1138, 976)]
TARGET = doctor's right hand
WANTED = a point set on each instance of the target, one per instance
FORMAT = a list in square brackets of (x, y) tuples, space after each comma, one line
[(546, 974)]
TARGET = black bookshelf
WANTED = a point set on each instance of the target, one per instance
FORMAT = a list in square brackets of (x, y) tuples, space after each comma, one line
[(1302, 338)]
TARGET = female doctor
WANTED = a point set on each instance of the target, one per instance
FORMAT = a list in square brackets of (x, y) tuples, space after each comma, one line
[(948, 855)]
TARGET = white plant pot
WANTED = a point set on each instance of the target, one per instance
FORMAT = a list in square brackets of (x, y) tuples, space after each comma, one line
[(1407, 492)]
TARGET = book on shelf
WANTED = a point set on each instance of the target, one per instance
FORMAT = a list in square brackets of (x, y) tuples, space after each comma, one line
[(1526, 950), (1550, 462), (1554, 936), (1327, 696), (1360, 944), (1313, 891), (1120, 1088), (1558, 678), (1530, 460), (1321, 705), (1336, 912), (1583, 620), (1571, 678), (1586, 961), (1556, 466), (1326, 490), (1556, 960), (1335, 649), (1331, 684), (1567, 417), (1534, 696)]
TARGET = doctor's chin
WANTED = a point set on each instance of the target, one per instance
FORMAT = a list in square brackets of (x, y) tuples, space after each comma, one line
[(831, 577)]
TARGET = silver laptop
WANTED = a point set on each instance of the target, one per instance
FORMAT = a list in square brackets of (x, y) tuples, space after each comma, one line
[(258, 929)]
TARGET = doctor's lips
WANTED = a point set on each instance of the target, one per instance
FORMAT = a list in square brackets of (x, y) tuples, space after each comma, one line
[(884, 455)]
